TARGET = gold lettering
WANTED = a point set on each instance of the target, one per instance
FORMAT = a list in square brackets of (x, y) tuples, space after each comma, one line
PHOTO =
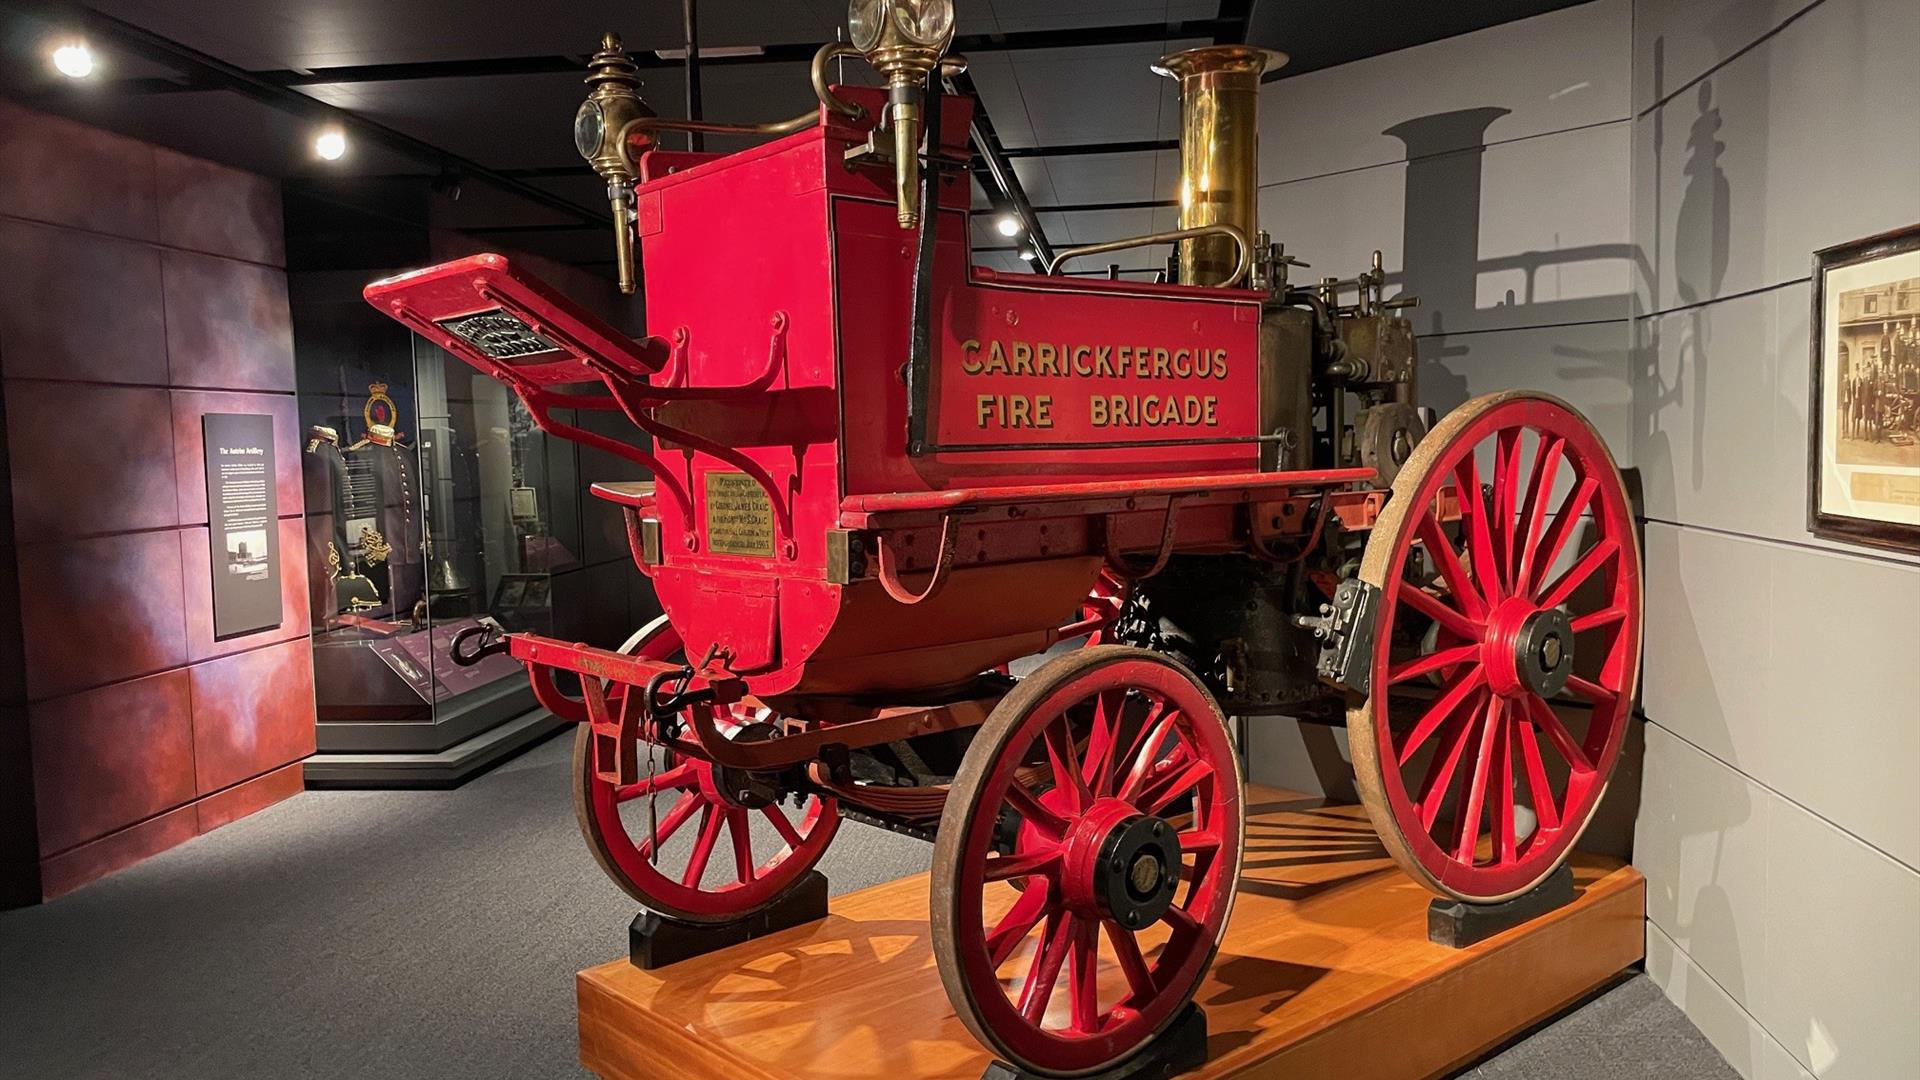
[(1080, 365), (1160, 363), (1183, 363), (1207, 414), (1022, 359), (1097, 411), (1043, 357), (983, 409), (996, 360), (970, 357), (1043, 411)]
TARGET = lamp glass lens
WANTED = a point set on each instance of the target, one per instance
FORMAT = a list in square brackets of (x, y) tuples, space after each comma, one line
[(925, 22), (865, 20), (589, 127)]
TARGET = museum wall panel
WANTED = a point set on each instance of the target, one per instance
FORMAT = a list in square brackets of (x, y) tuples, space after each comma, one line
[(1779, 825), (1492, 171), (143, 291)]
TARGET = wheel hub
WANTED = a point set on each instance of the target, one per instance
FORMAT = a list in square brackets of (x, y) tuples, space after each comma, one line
[(739, 787), (1528, 650), (1127, 866)]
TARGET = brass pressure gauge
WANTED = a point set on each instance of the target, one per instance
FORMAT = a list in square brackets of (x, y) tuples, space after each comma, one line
[(600, 134), (904, 41)]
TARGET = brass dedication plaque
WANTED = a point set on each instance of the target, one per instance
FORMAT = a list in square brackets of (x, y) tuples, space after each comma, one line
[(739, 515)]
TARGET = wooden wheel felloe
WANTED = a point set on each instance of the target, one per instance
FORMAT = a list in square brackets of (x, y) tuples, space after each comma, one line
[(688, 797), (1506, 648), (1105, 786)]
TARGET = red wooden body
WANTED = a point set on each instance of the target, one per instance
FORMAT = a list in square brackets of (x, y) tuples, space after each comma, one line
[(1072, 420)]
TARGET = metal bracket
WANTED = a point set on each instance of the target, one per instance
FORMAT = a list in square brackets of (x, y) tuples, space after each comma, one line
[(1345, 629)]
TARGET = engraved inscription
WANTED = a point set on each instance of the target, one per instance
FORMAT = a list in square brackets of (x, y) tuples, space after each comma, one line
[(739, 515)]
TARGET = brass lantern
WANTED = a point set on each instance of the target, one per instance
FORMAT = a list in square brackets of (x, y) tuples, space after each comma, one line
[(599, 133), (904, 41)]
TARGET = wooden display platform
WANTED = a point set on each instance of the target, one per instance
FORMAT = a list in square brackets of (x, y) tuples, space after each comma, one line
[(1326, 972)]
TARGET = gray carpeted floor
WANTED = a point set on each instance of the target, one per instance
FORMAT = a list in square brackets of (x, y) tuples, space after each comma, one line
[(435, 934)]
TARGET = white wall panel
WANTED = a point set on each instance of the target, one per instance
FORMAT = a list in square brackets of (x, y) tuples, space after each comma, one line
[(1799, 667), (1530, 233), (1677, 41), (1730, 1028), (1586, 365), (1803, 142), (1561, 70), (1842, 950)]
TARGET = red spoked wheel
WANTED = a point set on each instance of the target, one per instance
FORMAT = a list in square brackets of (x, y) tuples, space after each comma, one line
[(1106, 789), (720, 879), (1506, 647)]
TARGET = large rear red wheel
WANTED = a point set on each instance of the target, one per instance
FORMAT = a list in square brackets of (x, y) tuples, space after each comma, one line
[(1506, 647), (679, 840), (1106, 787)]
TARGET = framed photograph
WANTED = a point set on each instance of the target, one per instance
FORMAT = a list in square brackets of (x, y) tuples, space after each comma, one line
[(1864, 404)]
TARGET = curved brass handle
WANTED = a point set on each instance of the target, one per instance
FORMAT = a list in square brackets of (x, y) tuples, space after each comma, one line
[(1240, 268), (828, 53)]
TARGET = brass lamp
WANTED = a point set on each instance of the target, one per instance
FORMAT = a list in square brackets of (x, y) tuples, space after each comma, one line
[(599, 133), (904, 41)]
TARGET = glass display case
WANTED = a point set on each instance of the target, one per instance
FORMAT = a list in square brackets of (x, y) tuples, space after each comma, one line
[(428, 513)]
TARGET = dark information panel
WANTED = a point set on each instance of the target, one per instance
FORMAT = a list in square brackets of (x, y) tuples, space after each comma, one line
[(244, 523)]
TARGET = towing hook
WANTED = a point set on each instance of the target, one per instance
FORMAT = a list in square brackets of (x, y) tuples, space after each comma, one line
[(489, 645)]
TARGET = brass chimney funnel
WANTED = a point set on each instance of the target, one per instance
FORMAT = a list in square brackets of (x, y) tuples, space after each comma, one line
[(1219, 151)]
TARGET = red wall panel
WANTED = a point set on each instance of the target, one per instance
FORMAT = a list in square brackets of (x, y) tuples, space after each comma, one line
[(107, 758), (89, 459), (222, 211), (228, 324), (79, 306), (252, 712), (55, 170), (189, 447), (100, 610)]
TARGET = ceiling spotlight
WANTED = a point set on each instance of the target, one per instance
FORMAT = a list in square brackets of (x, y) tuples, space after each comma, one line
[(74, 60), (331, 144), (1008, 225), (1027, 254)]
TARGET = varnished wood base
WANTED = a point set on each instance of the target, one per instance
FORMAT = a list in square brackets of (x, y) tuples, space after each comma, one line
[(1326, 972)]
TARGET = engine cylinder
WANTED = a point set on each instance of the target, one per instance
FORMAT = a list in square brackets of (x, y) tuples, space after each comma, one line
[(1219, 150)]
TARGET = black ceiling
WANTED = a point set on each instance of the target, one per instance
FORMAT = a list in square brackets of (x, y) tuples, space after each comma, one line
[(484, 89)]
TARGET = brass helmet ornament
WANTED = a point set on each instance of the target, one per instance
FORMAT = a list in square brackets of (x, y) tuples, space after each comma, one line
[(599, 133), (903, 40)]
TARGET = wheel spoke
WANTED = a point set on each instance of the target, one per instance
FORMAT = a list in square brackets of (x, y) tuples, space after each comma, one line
[(1543, 715), (1429, 605), (1477, 784), (1577, 574), (1539, 490), (1593, 692), (1018, 922), (1027, 805), (1084, 985), (1433, 661), (742, 844), (1045, 969), (1155, 797), (1564, 522), (1463, 684), (1145, 768), (1194, 841), (1023, 864), (1465, 591), (1473, 518), (1065, 764), (1596, 619), (676, 777), (677, 816), (1181, 920), (1439, 778), (1127, 949), (1539, 788), (781, 825), (1139, 756), (1102, 742), (1504, 840), (1506, 488), (710, 820)]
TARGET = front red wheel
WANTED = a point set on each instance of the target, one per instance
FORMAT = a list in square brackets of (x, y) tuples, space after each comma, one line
[(682, 841), (1106, 789), (1506, 647)]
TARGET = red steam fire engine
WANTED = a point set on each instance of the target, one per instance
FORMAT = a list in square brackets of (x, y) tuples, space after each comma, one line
[(880, 475)]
